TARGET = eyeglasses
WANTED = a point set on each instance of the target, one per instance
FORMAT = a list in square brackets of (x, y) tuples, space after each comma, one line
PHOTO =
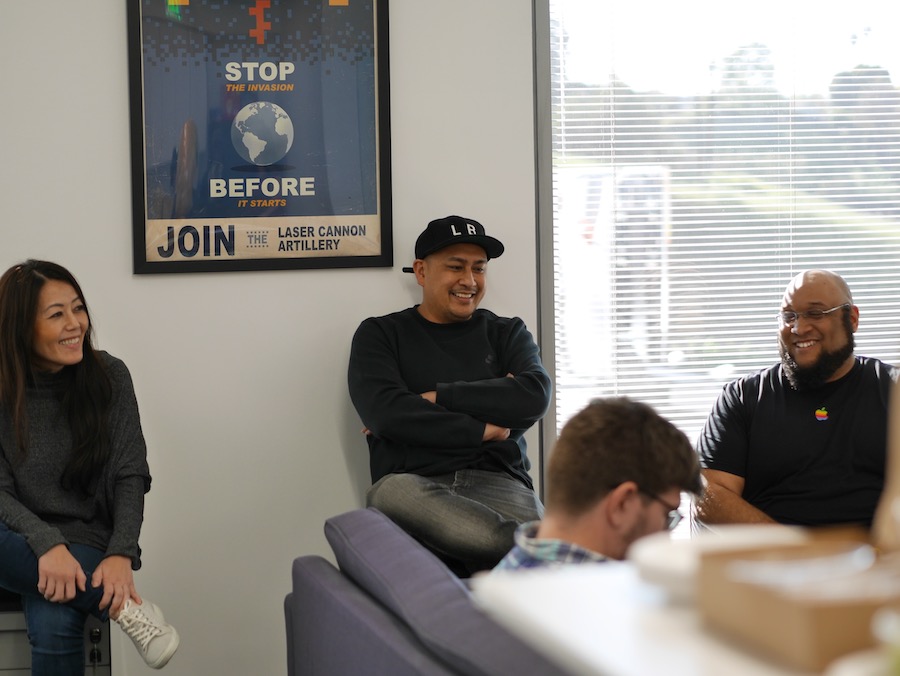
[(789, 317), (674, 517)]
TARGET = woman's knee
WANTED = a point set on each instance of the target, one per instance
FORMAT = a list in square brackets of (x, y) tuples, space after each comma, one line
[(53, 628)]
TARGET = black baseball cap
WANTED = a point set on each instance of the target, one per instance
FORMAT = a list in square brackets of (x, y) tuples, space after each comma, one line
[(450, 230)]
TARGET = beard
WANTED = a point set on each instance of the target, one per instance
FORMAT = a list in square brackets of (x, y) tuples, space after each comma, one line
[(814, 376)]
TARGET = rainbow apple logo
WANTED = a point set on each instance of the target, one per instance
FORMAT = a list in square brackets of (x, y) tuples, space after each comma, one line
[(821, 414)]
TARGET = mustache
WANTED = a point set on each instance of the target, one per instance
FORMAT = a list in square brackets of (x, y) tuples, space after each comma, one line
[(815, 375)]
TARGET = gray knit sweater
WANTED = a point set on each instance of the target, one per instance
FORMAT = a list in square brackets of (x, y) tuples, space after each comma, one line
[(32, 500)]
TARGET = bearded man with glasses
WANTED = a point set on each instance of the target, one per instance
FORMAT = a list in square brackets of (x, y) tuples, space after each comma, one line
[(802, 442)]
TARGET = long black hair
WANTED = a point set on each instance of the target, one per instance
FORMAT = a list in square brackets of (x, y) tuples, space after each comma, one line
[(88, 393)]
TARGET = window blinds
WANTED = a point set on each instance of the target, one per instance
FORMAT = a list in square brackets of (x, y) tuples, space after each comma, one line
[(684, 203)]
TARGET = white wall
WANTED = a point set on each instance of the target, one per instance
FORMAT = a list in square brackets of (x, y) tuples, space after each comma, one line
[(241, 377)]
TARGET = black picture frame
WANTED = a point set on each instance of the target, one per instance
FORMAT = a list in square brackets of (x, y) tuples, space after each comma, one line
[(260, 134)]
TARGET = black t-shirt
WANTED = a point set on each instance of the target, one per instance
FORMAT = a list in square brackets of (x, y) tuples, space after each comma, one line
[(811, 458)]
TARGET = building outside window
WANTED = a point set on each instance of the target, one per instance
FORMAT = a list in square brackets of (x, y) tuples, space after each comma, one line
[(701, 156)]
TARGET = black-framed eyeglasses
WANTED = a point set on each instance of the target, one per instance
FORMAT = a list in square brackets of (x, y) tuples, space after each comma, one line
[(789, 317), (674, 517)]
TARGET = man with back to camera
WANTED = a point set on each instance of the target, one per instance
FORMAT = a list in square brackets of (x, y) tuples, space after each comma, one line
[(802, 442), (446, 392), (616, 474)]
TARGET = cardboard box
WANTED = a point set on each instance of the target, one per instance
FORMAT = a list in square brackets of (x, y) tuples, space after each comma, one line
[(793, 607)]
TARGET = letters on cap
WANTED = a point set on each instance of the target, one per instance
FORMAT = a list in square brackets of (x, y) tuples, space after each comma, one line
[(445, 232)]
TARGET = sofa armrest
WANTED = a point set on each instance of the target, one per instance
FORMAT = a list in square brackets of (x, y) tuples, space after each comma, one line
[(334, 628), (414, 584)]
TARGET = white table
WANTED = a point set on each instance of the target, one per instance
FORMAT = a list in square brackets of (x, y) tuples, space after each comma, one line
[(603, 619)]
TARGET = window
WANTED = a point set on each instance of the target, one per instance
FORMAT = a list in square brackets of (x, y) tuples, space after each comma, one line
[(701, 156)]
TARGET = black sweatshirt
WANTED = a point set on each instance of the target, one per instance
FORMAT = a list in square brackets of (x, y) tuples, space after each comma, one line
[(395, 358)]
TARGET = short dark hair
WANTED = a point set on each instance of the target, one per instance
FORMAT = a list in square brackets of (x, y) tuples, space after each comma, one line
[(613, 440)]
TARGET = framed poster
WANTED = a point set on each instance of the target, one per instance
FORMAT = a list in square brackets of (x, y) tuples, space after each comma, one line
[(260, 134)]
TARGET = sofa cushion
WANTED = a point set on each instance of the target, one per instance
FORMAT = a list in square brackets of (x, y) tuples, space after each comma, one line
[(414, 584)]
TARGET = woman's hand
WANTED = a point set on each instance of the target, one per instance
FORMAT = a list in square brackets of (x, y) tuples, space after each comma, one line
[(59, 575), (115, 575)]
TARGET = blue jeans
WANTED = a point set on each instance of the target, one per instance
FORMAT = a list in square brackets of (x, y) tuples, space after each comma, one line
[(469, 516), (55, 630)]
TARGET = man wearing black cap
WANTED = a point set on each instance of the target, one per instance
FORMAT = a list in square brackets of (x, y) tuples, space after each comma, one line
[(446, 392)]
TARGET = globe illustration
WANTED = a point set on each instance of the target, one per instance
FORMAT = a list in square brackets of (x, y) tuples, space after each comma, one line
[(262, 133)]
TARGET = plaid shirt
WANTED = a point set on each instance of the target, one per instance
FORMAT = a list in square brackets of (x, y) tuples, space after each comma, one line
[(531, 552)]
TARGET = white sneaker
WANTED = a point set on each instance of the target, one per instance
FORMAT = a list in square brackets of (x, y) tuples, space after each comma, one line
[(155, 639)]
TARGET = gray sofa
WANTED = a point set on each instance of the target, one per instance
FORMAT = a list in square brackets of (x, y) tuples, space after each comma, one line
[(391, 607)]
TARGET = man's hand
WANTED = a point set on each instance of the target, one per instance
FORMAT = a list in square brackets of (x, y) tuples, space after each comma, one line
[(491, 432), (59, 575), (494, 433), (115, 575)]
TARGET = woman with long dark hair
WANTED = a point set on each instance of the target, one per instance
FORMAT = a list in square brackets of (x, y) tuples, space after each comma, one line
[(73, 474)]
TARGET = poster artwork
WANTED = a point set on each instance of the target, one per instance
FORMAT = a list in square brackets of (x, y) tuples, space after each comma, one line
[(260, 134)]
